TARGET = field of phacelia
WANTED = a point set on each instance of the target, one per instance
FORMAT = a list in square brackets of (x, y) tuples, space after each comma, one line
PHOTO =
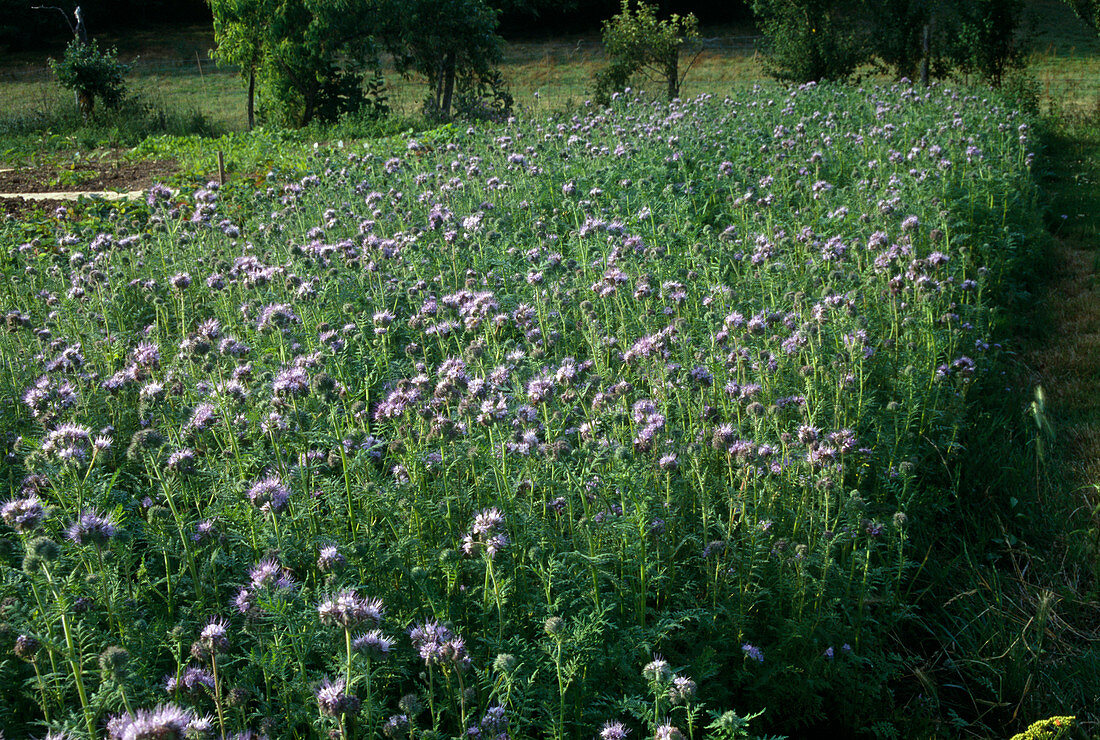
[(569, 427)]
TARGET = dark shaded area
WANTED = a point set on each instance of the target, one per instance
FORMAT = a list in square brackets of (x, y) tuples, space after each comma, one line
[(587, 16), (22, 28)]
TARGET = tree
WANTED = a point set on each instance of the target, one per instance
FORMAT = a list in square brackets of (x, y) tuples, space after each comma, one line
[(808, 40), (239, 36), (304, 59), (988, 42), (636, 42), (448, 41), (1088, 11), (91, 74)]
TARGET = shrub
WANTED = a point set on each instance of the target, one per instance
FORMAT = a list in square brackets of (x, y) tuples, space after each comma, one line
[(808, 40), (483, 97), (988, 42), (91, 74), (454, 44), (636, 42)]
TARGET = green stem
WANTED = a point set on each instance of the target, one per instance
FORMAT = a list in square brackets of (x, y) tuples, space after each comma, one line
[(74, 661), (218, 695), (42, 689)]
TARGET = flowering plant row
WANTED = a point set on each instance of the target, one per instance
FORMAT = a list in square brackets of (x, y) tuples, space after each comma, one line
[(574, 426)]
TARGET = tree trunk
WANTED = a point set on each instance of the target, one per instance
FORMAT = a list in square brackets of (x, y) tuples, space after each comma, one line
[(440, 76), (925, 52), (86, 103), (251, 97), (448, 84), (672, 73)]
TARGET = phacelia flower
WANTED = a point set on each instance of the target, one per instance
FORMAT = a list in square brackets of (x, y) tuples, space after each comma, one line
[(348, 609), (269, 494), (24, 514), (333, 701), (92, 528), (614, 731)]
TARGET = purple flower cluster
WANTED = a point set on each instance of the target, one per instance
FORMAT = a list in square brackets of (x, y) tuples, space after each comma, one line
[(269, 494), (334, 701), (348, 609), (165, 722), (437, 645), (486, 534)]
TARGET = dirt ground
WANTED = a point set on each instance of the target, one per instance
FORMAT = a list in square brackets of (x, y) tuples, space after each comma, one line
[(112, 173)]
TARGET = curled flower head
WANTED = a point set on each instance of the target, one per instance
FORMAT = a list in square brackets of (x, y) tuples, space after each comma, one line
[(24, 514), (668, 732), (657, 671), (372, 644), (330, 559), (348, 609), (26, 647), (205, 531), (215, 635), (396, 727), (165, 722), (495, 721), (485, 535), (487, 521), (92, 528), (438, 645), (332, 699), (291, 381), (269, 494), (181, 461), (68, 443), (752, 652), (278, 316), (614, 731), (682, 690), (269, 574)]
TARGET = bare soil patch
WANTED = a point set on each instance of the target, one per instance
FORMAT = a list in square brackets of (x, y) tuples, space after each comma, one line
[(107, 174), (111, 174)]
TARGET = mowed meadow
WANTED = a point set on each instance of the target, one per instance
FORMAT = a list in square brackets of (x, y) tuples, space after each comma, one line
[(648, 420)]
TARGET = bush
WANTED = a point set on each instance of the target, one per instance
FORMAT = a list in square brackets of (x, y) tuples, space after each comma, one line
[(635, 42), (808, 40), (988, 43), (91, 74)]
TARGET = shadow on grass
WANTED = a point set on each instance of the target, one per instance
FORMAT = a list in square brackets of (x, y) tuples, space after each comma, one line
[(1006, 626)]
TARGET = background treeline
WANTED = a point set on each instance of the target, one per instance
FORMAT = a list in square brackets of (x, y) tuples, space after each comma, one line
[(22, 28)]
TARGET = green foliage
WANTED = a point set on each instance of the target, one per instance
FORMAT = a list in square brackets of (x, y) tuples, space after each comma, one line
[(898, 37), (1047, 729), (829, 39), (635, 42), (987, 40), (815, 40), (239, 35), (1088, 11), (91, 74), (30, 134), (454, 44), (316, 57), (745, 462), (310, 58), (482, 97), (240, 32)]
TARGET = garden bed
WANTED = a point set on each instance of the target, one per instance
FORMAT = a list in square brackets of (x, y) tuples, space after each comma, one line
[(494, 418)]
